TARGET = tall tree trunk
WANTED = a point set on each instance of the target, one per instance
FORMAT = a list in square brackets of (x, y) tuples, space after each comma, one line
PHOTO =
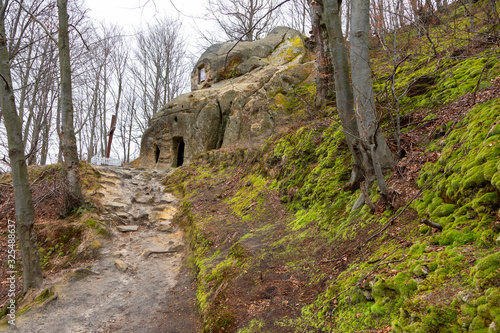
[(25, 216), (376, 154), (71, 163), (343, 89), (45, 139), (95, 106), (324, 79), (59, 131), (371, 154)]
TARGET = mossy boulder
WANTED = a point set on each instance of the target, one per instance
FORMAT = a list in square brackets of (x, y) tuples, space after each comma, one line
[(486, 270)]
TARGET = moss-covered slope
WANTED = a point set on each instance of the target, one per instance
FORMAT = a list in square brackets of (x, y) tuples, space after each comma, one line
[(275, 246)]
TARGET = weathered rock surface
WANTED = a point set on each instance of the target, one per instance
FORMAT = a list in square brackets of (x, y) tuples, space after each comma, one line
[(221, 61), (235, 108), (126, 228)]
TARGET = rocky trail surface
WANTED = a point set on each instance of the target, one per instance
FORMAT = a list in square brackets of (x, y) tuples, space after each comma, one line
[(139, 283)]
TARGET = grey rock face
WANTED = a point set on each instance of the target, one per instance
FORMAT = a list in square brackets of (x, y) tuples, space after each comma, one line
[(232, 106), (221, 61)]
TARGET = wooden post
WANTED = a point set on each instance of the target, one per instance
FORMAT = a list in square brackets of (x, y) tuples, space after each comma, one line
[(110, 133)]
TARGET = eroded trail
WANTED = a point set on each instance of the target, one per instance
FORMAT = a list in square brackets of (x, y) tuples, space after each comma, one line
[(139, 283)]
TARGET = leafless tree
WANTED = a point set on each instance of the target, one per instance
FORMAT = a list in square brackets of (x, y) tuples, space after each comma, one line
[(68, 138), (296, 14), (319, 36), (250, 19), (158, 66), (25, 216), (355, 102)]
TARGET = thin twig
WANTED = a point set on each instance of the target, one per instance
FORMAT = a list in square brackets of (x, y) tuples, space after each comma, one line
[(33, 17), (479, 82), (253, 27)]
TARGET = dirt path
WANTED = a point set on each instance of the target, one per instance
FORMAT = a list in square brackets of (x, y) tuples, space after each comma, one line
[(139, 283)]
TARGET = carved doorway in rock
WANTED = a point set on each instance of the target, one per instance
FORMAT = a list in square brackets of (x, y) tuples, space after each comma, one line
[(157, 153), (201, 75), (178, 151)]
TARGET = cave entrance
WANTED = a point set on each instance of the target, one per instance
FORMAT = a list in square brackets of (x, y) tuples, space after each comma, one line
[(178, 151), (157, 153), (201, 74)]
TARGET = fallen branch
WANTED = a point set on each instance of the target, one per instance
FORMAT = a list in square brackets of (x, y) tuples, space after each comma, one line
[(489, 132), (432, 224), (391, 221), (148, 253), (479, 81), (331, 260)]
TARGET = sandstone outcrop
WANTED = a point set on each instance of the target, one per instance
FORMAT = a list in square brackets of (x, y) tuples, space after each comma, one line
[(230, 103)]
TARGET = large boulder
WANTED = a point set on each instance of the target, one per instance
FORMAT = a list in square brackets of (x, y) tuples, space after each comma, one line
[(227, 111), (229, 60)]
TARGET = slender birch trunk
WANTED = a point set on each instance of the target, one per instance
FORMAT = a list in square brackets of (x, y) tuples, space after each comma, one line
[(68, 138), (25, 215)]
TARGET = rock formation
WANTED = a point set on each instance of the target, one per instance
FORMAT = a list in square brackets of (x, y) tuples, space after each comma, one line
[(229, 104)]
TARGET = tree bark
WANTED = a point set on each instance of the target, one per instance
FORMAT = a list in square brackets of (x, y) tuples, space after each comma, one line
[(366, 116), (25, 216), (343, 88), (355, 103), (68, 138), (376, 153), (324, 79)]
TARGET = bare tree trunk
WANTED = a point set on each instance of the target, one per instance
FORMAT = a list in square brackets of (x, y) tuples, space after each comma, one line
[(95, 106), (355, 102), (324, 78), (45, 140), (59, 131), (25, 216), (343, 89), (376, 153), (71, 163), (471, 7), (393, 83)]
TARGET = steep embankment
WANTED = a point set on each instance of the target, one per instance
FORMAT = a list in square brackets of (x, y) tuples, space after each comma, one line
[(137, 283), (276, 247)]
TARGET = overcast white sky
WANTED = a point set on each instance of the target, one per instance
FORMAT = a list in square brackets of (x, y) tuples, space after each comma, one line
[(133, 14), (137, 12)]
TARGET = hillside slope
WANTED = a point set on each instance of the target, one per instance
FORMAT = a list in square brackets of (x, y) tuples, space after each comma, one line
[(276, 248)]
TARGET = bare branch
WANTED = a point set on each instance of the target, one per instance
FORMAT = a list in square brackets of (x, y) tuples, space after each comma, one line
[(33, 17)]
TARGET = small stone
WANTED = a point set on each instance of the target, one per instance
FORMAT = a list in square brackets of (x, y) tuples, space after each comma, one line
[(166, 227), (421, 271), (419, 280), (368, 294), (167, 198), (178, 247), (126, 228), (465, 296), (497, 241), (122, 266), (81, 273), (142, 217)]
